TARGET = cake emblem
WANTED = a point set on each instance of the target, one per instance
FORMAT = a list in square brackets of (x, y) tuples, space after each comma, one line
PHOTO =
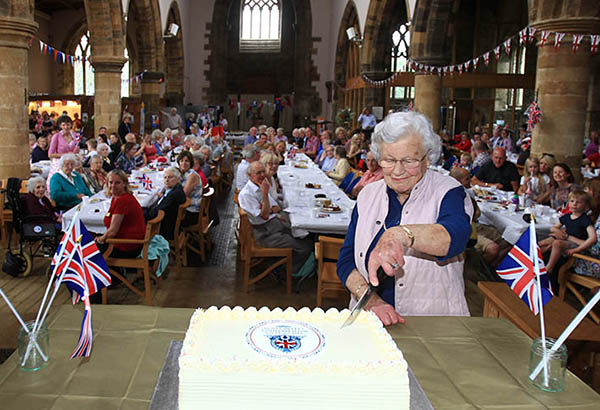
[(286, 343), (285, 339)]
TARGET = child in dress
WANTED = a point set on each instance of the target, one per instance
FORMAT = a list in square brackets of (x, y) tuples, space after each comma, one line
[(533, 183), (573, 233)]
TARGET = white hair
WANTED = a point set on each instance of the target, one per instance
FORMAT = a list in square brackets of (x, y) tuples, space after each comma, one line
[(401, 125), (33, 182), (175, 172), (101, 146), (189, 138), (156, 134), (94, 157), (249, 151), (65, 158)]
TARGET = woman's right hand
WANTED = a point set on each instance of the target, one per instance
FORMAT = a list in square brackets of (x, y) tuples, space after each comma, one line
[(384, 311)]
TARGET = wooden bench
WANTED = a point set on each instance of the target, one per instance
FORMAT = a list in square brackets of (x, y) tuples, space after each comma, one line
[(501, 301)]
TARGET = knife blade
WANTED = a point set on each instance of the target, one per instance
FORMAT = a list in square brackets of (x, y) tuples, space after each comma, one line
[(366, 296)]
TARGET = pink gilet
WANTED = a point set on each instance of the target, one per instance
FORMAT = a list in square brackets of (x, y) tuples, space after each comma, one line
[(425, 286)]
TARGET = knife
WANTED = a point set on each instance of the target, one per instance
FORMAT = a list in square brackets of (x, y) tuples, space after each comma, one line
[(366, 296)]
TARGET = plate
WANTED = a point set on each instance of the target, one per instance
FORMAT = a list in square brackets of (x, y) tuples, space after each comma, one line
[(302, 166), (332, 209), (95, 200)]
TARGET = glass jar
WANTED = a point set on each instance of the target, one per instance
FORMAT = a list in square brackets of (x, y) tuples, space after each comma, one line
[(35, 361), (556, 366)]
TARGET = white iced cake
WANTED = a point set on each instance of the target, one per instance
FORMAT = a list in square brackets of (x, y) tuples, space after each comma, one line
[(274, 359)]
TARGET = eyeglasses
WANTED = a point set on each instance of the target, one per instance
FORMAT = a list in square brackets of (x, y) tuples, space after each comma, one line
[(407, 163)]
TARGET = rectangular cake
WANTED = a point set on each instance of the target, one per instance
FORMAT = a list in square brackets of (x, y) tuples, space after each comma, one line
[(274, 359)]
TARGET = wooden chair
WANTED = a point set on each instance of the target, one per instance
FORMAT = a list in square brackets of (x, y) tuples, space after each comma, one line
[(143, 264), (179, 241), (327, 250), (568, 279), (251, 251), (198, 240), (227, 170)]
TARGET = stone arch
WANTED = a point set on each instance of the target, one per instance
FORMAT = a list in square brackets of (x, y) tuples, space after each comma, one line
[(382, 16), (174, 59), (144, 30), (105, 22)]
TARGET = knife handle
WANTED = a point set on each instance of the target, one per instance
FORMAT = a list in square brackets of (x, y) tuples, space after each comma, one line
[(382, 277)]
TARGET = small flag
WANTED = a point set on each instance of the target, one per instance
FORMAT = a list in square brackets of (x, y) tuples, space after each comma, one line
[(507, 47), (467, 64), (517, 270), (146, 182), (475, 62), (534, 115), (576, 42), (497, 52), (594, 42), (486, 58), (557, 39), (523, 36), (544, 37)]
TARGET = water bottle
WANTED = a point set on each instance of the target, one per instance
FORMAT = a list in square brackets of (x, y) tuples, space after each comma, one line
[(515, 201)]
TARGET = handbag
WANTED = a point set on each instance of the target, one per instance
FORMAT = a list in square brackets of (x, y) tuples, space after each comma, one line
[(14, 264)]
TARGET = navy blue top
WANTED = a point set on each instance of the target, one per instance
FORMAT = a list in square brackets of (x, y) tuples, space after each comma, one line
[(452, 216), (576, 227)]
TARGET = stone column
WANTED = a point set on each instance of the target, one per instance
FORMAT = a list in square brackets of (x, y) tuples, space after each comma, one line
[(562, 82), (15, 34), (428, 96), (151, 85), (107, 96)]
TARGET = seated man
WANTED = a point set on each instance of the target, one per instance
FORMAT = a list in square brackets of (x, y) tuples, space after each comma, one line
[(498, 173), (264, 216), (374, 173)]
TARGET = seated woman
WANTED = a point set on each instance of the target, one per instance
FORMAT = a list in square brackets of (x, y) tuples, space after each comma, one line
[(124, 219), (582, 267), (354, 150), (342, 166), (95, 176), (40, 152), (199, 161), (150, 150), (67, 187), (280, 151), (38, 207), (561, 186), (271, 163), (126, 160), (192, 186), (169, 201), (104, 151), (533, 182)]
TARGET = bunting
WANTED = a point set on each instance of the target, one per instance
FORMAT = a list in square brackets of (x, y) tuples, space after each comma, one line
[(576, 42), (544, 37), (557, 39)]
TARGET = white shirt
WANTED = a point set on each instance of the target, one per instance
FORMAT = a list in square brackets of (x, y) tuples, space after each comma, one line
[(328, 164), (534, 183), (367, 121), (250, 199), (241, 176)]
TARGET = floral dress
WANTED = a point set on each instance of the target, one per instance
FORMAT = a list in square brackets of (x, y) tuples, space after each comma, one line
[(590, 268)]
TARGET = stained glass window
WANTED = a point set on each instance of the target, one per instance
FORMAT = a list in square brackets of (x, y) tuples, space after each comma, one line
[(125, 75), (83, 70), (399, 60)]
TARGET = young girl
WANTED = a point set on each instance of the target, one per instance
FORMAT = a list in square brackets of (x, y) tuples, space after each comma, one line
[(573, 233), (533, 182)]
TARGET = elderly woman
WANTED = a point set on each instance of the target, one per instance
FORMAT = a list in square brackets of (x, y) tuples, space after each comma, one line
[(340, 136), (67, 187), (199, 161), (342, 166), (415, 224), (561, 185), (374, 173), (95, 176), (206, 169), (124, 219), (104, 152), (329, 161), (192, 186), (271, 163), (188, 142), (169, 201), (38, 207)]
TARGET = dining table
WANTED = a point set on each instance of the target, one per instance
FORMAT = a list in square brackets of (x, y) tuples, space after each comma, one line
[(93, 209), (312, 200)]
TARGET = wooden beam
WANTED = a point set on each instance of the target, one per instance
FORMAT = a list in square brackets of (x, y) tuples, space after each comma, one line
[(465, 80)]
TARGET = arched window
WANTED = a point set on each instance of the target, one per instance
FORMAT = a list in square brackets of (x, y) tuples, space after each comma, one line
[(260, 26), (125, 75), (84, 72), (399, 61)]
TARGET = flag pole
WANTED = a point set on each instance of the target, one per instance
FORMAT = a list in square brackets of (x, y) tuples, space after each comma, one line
[(60, 255), (23, 325), (536, 270), (566, 333), (56, 288)]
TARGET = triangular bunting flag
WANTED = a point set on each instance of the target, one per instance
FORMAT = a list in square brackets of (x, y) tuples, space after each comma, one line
[(544, 37), (475, 62), (506, 47), (486, 58), (467, 64), (576, 42), (557, 39), (497, 53), (594, 42), (523, 36), (531, 36), (460, 68)]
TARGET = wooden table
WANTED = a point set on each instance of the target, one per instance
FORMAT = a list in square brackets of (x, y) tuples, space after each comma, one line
[(461, 363)]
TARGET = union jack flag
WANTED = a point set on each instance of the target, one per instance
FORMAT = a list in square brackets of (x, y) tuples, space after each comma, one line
[(517, 271), (87, 269), (86, 273), (146, 182)]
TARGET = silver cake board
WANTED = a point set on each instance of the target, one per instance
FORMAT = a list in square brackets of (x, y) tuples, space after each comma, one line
[(166, 392)]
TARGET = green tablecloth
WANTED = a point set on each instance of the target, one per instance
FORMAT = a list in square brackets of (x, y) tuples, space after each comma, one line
[(462, 363)]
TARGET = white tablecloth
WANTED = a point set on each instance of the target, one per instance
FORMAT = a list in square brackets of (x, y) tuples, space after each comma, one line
[(44, 166), (299, 201), (510, 223), (93, 210)]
